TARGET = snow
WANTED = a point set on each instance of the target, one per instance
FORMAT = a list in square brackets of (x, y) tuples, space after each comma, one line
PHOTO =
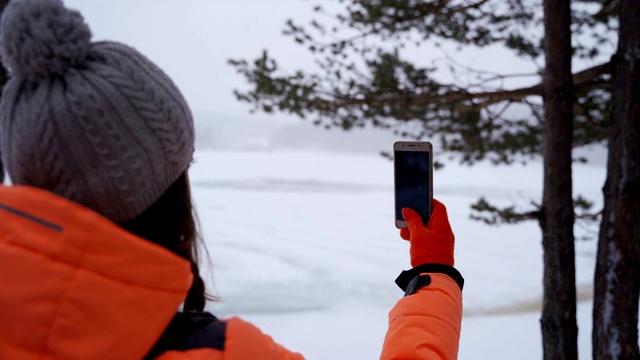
[(302, 243)]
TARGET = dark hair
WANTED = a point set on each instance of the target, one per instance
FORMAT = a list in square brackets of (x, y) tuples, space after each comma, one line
[(172, 223)]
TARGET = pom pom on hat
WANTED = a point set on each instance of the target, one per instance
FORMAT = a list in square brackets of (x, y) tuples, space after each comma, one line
[(42, 37)]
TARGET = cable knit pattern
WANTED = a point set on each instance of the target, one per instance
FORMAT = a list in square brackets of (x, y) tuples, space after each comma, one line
[(180, 107), (149, 92), (97, 123), (115, 168), (37, 159)]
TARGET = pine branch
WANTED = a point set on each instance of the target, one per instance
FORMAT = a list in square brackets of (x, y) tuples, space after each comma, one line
[(586, 78)]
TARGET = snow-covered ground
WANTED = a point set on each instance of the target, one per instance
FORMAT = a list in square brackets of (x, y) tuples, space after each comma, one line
[(303, 244)]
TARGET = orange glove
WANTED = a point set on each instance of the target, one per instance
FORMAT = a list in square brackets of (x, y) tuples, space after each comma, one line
[(431, 244)]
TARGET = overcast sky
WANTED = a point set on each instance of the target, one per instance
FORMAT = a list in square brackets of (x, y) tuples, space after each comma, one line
[(192, 40)]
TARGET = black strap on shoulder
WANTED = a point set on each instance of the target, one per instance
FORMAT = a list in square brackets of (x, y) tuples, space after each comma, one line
[(190, 330), (407, 275)]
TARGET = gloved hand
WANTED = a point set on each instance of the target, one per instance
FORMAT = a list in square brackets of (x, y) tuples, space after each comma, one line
[(430, 244)]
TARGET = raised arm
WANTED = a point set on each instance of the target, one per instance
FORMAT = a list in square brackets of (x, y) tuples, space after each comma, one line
[(425, 323)]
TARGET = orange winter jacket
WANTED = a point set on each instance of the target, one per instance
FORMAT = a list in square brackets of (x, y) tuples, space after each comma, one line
[(426, 325), (73, 285)]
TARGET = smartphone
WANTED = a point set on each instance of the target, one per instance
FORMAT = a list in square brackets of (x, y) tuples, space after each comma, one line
[(413, 178)]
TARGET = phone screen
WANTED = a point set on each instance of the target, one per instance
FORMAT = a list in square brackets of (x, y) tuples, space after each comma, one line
[(412, 182)]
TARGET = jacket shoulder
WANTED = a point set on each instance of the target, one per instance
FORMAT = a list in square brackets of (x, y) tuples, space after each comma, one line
[(203, 336)]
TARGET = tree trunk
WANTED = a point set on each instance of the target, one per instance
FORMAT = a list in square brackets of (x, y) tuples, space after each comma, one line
[(558, 322), (617, 277)]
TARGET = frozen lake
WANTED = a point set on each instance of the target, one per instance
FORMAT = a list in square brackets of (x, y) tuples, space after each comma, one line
[(303, 244)]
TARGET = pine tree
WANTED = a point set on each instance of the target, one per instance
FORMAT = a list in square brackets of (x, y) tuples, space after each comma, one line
[(617, 277), (364, 80)]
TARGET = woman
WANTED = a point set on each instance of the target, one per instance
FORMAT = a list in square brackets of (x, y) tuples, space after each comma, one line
[(98, 244)]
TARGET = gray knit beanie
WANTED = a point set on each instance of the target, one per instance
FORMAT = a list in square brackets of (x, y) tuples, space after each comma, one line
[(94, 122)]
